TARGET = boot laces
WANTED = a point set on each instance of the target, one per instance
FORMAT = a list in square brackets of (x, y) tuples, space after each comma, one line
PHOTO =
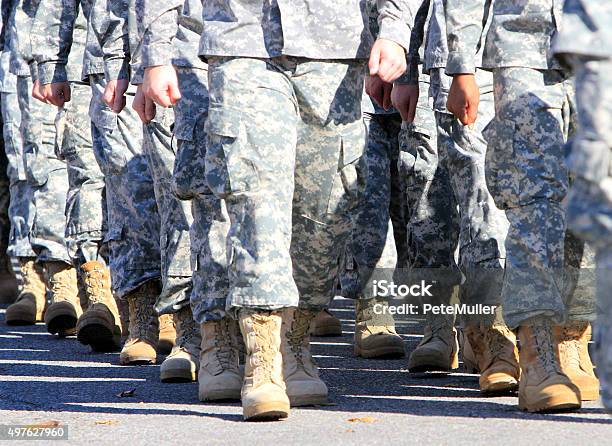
[(569, 346), (544, 345), (498, 341), (187, 331), (264, 353), (94, 286), (224, 352), (297, 335), (140, 327)]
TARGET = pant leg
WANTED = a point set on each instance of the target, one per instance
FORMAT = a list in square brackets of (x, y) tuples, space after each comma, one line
[(133, 219), (250, 159), (528, 179), (175, 215), (46, 174), (372, 243), (86, 200), (483, 227), (330, 172), (432, 220), (208, 233)]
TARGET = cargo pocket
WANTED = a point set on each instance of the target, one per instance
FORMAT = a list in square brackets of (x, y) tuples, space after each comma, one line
[(418, 159), (230, 166), (501, 172), (189, 176), (349, 183)]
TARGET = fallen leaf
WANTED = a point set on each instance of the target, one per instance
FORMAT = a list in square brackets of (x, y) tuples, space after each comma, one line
[(45, 424), (107, 422), (362, 420), (127, 393)]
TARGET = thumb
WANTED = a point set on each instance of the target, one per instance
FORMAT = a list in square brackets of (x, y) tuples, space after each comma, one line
[(374, 60), (118, 103), (174, 94), (67, 93), (109, 94)]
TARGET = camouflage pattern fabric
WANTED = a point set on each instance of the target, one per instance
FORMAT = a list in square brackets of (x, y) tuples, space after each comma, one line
[(133, 218), (285, 142), (45, 173)]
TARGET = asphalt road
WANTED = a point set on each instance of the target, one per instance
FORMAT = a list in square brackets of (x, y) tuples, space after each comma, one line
[(45, 381)]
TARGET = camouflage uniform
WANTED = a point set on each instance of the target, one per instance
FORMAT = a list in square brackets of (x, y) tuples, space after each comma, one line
[(45, 172), (587, 25), (286, 138), (134, 30), (85, 203), (481, 227), (131, 209), (525, 170)]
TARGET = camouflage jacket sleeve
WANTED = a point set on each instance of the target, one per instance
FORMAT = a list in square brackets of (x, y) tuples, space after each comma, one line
[(161, 26), (52, 30), (417, 36), (464, 30), (109, 21), (395, 18)]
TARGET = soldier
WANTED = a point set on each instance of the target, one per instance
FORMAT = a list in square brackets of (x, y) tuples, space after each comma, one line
[(133, 28), (285, 139), (481, 227), (583, 44), (133, 219), (46, 174), (528, 179), (99, 326)]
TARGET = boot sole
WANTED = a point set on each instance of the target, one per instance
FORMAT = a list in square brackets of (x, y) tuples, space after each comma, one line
[(330, 331), (62, 325), (268, 411), (221, 395), (552, 404), (385, 352), (500, 388), (589, 395), (20, 320), (164, 347), (178, 376), (96, 333), (307, 400), (137, 360)]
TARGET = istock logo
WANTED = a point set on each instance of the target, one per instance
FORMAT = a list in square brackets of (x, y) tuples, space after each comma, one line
[(384, 288)]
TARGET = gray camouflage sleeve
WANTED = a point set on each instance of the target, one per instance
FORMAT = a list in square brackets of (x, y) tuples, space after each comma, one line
[(417, 36), (464, 28), (51, 36), (394, 19), (109, 21), (161, 28)]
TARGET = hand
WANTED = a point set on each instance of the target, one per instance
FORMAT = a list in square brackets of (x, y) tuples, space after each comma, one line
[(36, 93), (114, 94), (57, 93), (161, 85), (144, 106), (387, 60), (379, 91), (405, 98), (463, 98)]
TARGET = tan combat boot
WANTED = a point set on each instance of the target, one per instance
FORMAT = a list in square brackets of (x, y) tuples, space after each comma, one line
[(573, 340), (9, 286), (492, 352), (375, 334), (182, 363), (65, 309), (167, 334), (30, 305), (263, 391), (100, 324), (304, 387), (437, 352), (220, 377), (543, 386), (141, 344), (326, 324)]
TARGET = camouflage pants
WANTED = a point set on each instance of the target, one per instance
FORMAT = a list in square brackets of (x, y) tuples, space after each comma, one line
[(174, 214), (285, 142), (45, 173), (430, 203), (86, 202), (481, 226), (21, 207), (589, 204), (377, 221), (5, 222), (131, 209), (528, 179), (210, 219)]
